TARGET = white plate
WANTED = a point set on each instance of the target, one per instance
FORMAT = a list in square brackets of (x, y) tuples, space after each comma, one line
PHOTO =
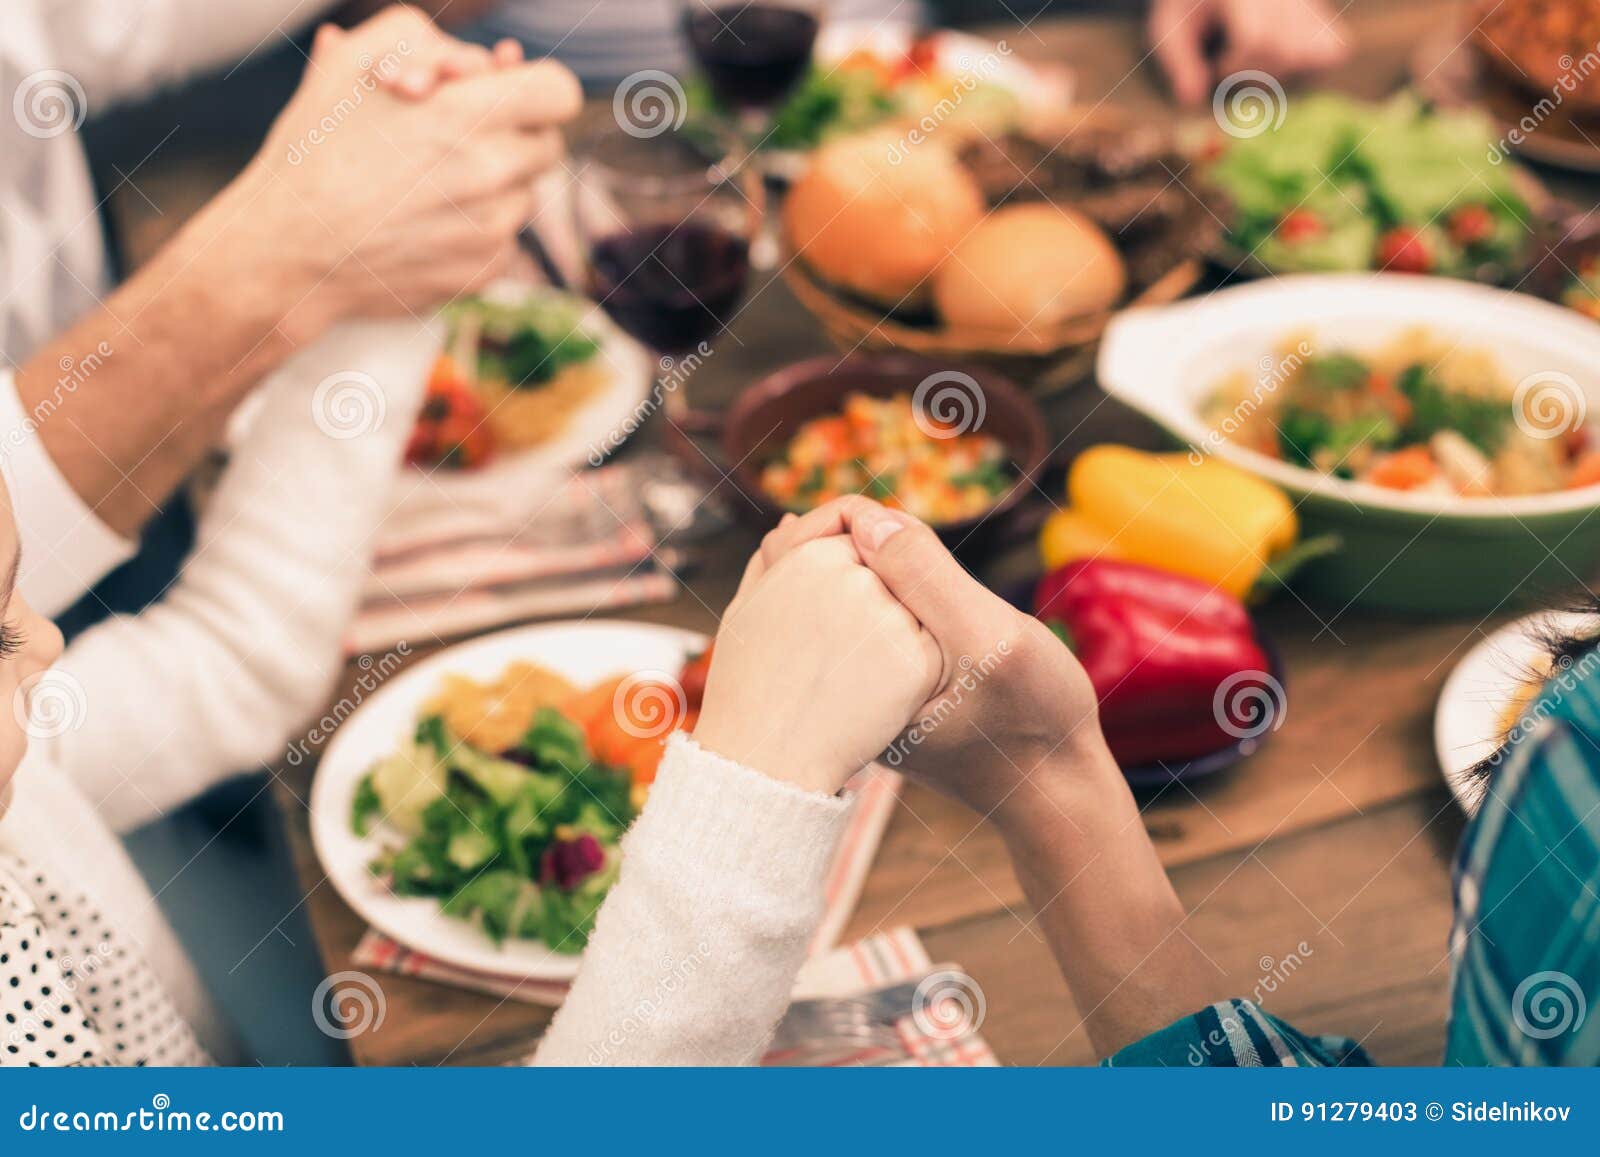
[(439, 502), (1165, 361), (1480, 690), (1037, 89), (954, 53), (584, 652), (432, 501)]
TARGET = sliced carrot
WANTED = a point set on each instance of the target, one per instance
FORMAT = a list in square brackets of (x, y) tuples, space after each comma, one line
[(643, 759), (644, 711), (1404, 469), (586, 707), (1585, 471)]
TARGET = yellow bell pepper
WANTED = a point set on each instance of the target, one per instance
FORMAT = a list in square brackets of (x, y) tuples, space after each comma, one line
[(1206, 519)]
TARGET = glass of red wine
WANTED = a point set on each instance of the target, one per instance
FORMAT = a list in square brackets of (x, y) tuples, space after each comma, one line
[(753, 53), (664, 223)]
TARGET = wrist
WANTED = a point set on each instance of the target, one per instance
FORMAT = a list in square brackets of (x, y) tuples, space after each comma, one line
[(761, 750), (1075, 788), (280, 281)]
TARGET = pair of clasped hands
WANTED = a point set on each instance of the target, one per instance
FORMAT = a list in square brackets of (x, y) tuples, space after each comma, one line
[(853, 624)]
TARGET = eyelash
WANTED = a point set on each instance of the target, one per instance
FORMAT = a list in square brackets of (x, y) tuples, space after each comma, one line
[(12, 640)]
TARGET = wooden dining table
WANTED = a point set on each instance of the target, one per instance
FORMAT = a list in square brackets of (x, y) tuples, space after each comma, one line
[(1316, 873)]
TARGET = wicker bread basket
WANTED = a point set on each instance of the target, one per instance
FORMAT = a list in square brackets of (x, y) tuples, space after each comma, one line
[(1043, 360)]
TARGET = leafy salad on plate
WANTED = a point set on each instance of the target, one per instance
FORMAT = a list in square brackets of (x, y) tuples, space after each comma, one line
[(509, 798), (1332, 184)]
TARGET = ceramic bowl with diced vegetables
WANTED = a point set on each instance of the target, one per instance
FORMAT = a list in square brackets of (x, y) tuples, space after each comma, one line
[(1441, 429)]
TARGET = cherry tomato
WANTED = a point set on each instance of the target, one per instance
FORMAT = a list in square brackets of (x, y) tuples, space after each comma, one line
[(1301, 225), (693, 678), (924, 56), (1471, 224), (1402, 250)]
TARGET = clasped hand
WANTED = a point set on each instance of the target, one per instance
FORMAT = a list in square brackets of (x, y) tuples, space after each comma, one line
[(855, 629)]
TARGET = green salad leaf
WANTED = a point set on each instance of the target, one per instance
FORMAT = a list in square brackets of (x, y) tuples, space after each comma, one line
[(495, 837), (366, 807), (1483, 421), (827, 102), (528, 342), (1351, 171)]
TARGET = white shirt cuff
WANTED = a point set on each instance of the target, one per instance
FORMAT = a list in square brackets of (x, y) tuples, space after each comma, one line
[(66, 549)]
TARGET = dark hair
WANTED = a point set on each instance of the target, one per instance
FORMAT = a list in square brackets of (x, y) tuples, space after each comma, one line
[(1563, 650)]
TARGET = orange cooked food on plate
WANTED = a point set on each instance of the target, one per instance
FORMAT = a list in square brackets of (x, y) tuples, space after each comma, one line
[(909, 457), (494, 715)]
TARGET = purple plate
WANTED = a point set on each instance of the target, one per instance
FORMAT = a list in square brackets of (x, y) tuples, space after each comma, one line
[(1151, 776)]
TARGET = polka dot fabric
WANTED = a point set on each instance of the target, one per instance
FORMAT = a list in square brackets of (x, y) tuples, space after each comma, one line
[(71, 993)]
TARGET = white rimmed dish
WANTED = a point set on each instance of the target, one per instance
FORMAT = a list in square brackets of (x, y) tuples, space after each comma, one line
[(439, 501), (585, 652), (1401, 551)]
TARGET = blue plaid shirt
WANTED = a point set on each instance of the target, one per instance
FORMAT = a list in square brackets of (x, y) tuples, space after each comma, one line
[(1525, 949)]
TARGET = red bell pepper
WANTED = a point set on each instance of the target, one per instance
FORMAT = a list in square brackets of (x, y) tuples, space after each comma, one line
[(1156, 647)]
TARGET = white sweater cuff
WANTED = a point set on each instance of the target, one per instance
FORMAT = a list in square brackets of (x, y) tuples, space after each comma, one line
[(719, 820), (695, 952), (66, 549)]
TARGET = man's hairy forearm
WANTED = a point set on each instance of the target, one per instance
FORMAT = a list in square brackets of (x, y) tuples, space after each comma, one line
[(1104, 902), (130, 398)]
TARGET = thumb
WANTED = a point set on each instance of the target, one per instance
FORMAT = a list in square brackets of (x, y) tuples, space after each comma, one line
[(919, 571)]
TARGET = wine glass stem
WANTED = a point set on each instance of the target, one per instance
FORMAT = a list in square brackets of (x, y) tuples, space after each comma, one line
[(753, 125)]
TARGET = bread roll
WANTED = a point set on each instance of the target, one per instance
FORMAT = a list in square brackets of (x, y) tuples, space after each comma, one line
[(876, 217), (1027, 269)]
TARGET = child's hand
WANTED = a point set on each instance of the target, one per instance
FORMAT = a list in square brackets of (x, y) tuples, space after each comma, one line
[(1013, 710), (1012, 731), (816, 668)]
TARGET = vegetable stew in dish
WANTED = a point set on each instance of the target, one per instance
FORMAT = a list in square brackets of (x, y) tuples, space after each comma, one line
[(1421, 414), (891, 450)]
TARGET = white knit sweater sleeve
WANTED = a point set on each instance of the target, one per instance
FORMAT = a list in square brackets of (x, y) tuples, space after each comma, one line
[(216, 678), (696, 949)]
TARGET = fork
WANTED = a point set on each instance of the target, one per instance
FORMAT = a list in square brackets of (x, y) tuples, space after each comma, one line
[(860, 1029)]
